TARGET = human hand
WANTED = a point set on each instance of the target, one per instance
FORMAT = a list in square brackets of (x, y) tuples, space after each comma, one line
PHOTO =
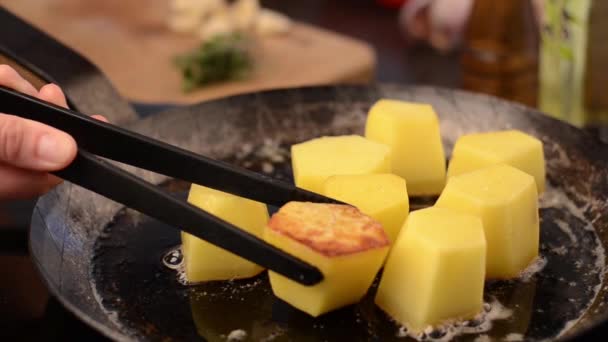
[(29, 150)]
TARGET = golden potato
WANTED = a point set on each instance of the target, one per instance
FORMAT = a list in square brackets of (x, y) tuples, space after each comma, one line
[(506, 200), (346, 245), (435, 270), (411, 130), (381, 196), (204, 261), (315, 160), (515, 148)]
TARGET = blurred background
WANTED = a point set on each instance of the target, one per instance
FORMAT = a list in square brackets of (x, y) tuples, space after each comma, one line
[(543, 53), (546, 54)]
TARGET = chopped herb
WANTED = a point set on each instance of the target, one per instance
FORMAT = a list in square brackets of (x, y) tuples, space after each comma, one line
[(221, 58)]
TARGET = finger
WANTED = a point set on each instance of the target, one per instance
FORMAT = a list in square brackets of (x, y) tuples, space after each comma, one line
[(32, 145), (18, 183), (11, 78), (100, 118), (52, 93)]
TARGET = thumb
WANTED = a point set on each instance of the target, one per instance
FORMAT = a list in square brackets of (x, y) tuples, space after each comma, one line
[(32, 145)]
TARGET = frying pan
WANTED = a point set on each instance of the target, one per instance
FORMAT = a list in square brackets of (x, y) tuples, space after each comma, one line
[(108, 265)]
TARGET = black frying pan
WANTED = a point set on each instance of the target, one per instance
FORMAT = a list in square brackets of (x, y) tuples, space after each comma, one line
[(105, 263)]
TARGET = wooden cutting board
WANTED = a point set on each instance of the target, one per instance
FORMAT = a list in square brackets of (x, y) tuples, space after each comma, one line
[(130, 42)]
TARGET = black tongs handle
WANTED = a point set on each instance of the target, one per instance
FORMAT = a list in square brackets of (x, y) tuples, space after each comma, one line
[(112, 142), (114, 183)]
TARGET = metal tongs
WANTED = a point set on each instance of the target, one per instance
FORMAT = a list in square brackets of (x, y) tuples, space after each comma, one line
[(106, 140)]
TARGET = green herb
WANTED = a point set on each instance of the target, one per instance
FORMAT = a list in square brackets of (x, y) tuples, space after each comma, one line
[(221, 58)]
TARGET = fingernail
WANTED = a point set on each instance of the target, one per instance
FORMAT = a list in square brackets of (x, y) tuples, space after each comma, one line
[(53, 151)]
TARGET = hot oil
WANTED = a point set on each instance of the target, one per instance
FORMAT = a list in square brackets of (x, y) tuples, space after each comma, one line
[(135, 263)]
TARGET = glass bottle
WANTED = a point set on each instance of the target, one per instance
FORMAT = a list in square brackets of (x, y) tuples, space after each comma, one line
[(500, 52), (573, 72)]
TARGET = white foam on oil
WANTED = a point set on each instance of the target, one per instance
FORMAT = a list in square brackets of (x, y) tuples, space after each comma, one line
[(171, 258), (237, 335), (535, 267), (450, 329), (600, 257), (568, 326), (181, 274), (561, 250), (599, 269), (513, 337), (565, 227), (111, 314), (555, 198)]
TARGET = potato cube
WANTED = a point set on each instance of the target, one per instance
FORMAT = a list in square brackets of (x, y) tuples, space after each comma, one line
[(435, 270), (315, 160), (206, 262), (515, 148), (381, 196), (347, 246), (506, 200), (412, 132)]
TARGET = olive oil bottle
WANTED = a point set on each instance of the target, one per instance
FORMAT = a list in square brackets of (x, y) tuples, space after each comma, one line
[(573, 72), (500, 52)]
